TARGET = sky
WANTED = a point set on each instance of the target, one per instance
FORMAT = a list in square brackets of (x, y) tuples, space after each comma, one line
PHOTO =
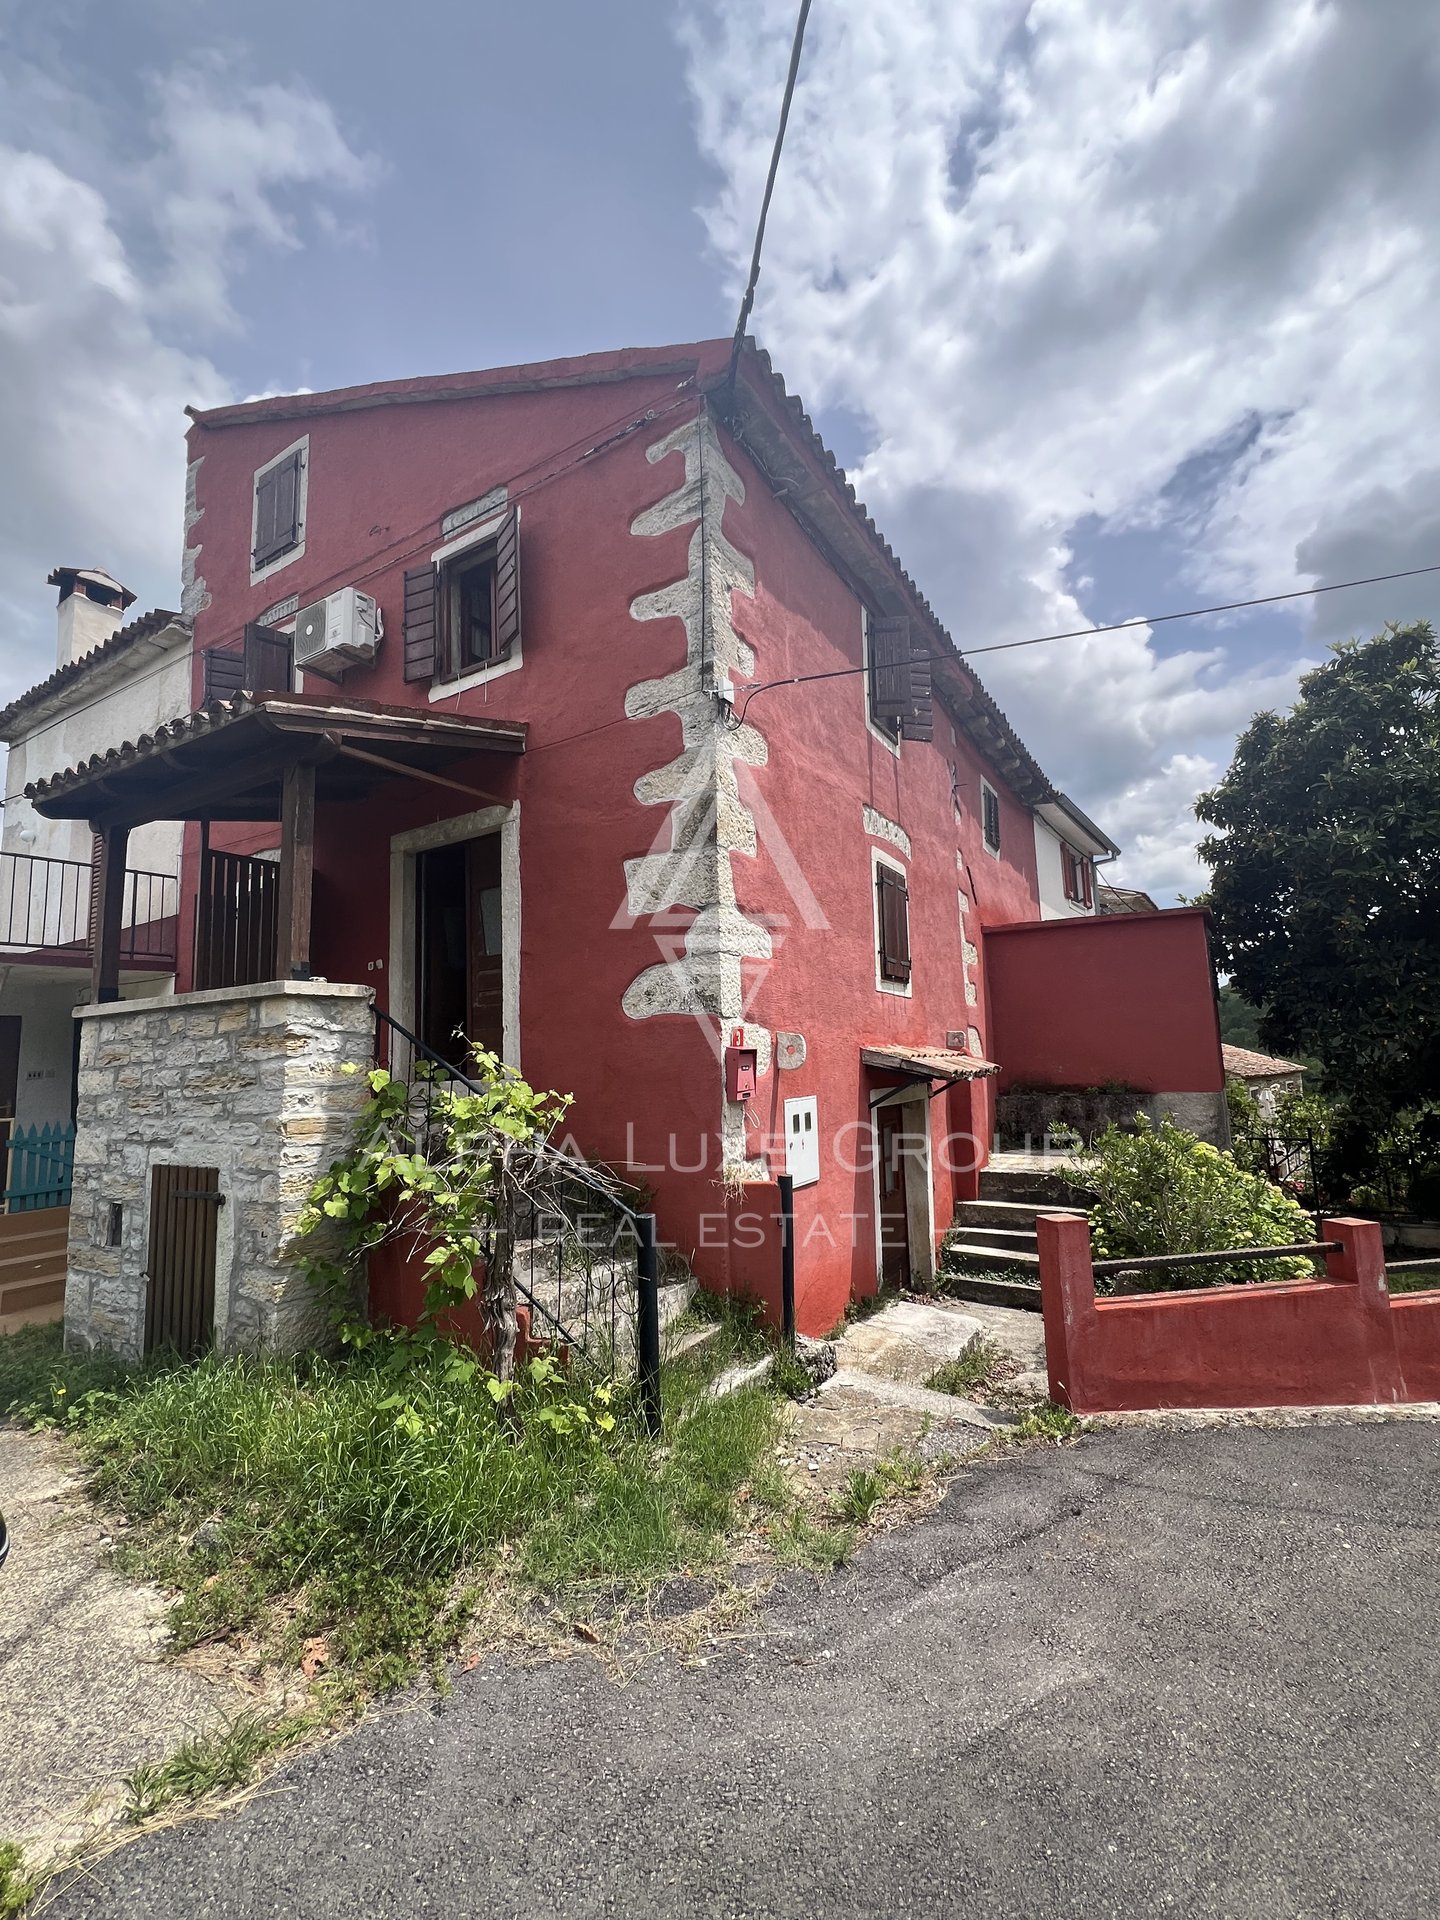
[(1111, 307)]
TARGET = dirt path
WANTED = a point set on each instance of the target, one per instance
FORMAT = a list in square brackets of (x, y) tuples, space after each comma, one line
[(85, 1693)]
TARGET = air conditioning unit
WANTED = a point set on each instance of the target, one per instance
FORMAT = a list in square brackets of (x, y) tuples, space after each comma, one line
[(342, 630)]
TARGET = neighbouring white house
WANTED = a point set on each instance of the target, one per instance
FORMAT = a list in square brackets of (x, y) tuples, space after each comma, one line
[(1068, 847), (111, 682), (1266, 1077)]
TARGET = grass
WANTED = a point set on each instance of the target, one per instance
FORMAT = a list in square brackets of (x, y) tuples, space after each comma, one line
[(976, 1370), (869, 1488), (295, 1501), (17, 1888), (1399, 1279), (211, 1762)]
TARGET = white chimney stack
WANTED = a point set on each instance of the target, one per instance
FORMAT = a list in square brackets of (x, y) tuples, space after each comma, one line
[(92, 605)]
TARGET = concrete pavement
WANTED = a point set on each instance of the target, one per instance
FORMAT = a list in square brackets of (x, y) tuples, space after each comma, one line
[(1157, 1673)]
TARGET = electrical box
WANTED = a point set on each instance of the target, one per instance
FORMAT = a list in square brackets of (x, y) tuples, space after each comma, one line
[(802, 1141), (739, 1073)]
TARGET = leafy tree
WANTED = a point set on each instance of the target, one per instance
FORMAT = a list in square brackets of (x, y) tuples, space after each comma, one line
[(1239, 1021), (1326, 869)]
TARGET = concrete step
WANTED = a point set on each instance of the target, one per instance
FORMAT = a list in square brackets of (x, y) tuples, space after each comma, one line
[(1000, 1213), (1032, 1186), (1013, 1239), (994, 1291), (691, 1340), (45, 1316), (37, 1259), (971, 1253)]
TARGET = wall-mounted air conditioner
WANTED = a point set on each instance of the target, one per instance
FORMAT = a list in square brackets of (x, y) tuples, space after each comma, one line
[(342, 630)]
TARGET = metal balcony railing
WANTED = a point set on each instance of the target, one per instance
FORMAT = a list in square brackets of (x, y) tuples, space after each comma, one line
[(45, 907)]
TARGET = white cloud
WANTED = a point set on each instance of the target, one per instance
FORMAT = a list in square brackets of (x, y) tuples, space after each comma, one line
[(1053, 252), (112, 273)]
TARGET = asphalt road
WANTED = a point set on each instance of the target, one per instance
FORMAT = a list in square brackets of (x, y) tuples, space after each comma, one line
[(1158, 1673)]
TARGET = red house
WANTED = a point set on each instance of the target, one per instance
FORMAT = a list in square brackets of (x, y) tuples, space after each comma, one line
[(591, 715)]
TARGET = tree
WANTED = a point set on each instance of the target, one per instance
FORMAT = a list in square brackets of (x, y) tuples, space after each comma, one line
[(1326, 869)]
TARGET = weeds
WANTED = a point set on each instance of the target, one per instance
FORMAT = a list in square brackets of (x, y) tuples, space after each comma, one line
[(1047, 1422), (869, 1488), (17, 1888), (210, 1762), (979, 1367)]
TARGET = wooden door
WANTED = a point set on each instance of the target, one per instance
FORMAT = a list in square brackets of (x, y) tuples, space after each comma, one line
[(185, 1205), (484, 943), (894, 1197)]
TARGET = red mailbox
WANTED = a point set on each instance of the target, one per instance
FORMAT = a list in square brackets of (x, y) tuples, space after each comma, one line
[(739, 1073)]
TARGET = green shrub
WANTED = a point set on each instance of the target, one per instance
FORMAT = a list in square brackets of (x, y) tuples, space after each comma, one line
[(1160, 1190)]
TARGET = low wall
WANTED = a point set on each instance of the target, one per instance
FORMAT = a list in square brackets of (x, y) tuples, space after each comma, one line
[(244, 1079), (1333, 1342)]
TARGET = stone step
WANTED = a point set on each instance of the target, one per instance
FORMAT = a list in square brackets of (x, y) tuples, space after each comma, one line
[(691, 1340), (993, 1290), (1000, 1213)]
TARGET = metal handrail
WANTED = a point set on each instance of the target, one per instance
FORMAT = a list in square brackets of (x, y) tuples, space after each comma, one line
[(1408, 1266), (1215, 1259), (45, 906)]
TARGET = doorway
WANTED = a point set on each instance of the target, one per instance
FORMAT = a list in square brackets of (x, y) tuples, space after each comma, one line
[(459, 948), (904, 1204)]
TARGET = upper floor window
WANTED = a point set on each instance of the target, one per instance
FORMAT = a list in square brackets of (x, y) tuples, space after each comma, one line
[(1076, 869), (990, 816), (462, 612), (901, 700), (892, 920), (277, 528)]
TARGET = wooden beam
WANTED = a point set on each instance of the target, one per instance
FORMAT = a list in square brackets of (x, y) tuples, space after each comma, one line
[(109, 896), (402, 772), (297, 870)]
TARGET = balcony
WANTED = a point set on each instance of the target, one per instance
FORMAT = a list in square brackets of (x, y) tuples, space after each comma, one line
[(45, 908)]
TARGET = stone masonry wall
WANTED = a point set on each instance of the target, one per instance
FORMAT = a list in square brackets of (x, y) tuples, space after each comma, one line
[(246, 1079)]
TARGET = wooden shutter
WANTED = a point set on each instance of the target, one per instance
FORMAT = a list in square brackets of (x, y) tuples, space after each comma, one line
[(991, 817), (894, 899), (422, 622), (267, 659), (277, 510), (223, 672), (919, 722), (890, 668), (507, 586)]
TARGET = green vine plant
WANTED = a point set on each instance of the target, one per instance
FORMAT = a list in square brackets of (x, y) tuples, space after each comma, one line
[(468, 1170)]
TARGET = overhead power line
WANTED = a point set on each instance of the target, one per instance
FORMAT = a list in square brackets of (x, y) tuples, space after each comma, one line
[(1084, 633), (749, 300)]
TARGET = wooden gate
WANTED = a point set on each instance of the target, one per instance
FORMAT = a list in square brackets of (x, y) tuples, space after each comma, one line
[(185, 1205), (235, 923)]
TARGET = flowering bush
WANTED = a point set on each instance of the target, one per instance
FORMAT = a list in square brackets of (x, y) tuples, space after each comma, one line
[(1160, 1190)]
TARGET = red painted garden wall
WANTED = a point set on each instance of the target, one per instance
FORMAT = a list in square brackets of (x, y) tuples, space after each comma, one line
[(1128, 997)]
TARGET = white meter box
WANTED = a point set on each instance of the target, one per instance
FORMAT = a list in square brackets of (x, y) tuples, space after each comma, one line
[(802, 1141)]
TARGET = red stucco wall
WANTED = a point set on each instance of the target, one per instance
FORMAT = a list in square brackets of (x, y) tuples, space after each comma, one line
[(1074, 1003)]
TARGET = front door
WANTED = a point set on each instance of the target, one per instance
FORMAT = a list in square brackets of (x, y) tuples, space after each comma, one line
[(458, 961), (894, 1199)]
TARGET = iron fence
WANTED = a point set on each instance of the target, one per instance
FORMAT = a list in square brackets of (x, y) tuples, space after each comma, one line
[(45, 903), (584, 1263)]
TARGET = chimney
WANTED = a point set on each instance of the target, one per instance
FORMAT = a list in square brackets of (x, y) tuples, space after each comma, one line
[(91, 608)]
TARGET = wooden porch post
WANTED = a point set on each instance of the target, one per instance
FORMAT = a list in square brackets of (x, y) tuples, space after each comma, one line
[(109, 897), (297, 870)]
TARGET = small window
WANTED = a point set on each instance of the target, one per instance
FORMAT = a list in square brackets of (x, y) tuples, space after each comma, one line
[(1078, 884), (278, 508), (463, 615), (990, 815), (893, 918)]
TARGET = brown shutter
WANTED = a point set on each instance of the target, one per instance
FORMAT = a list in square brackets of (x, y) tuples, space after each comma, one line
[(894, 924), (507, 586), (422, 614), (919, 722), (277, 510), (890, 667), (991, 818), (268, 659), (223, 672)]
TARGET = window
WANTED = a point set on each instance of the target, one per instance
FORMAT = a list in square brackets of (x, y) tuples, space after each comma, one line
[(278, 519), (1079, 889), (901, 698), (462, 614), (892, 915), (990, 816)]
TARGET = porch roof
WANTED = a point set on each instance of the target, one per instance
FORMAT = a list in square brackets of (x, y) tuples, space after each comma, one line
[(228, 760), (927, 1063)]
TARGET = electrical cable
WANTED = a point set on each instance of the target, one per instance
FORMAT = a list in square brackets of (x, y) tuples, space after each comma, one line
[(1084, 633), (749, 300)]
